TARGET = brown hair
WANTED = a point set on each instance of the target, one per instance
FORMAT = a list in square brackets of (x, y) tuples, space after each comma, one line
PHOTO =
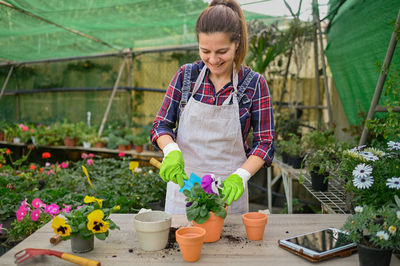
[(225, 16)]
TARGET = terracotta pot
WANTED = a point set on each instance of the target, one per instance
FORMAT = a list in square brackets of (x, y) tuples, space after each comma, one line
[(255, 223), (80, 245), (99, 145), (152, 229), (1, 136), (138, 148), (122, 148), (69, 142), (190, 241), (213, 227)]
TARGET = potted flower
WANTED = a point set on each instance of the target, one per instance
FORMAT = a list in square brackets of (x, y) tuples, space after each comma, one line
[(376, 232), (139, 141), (85, 222), (205, 206), (71, 132), (371, 175), (99, 142)]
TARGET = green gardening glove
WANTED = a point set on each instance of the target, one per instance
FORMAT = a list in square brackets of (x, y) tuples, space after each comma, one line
[(172, 168), (234, 185)]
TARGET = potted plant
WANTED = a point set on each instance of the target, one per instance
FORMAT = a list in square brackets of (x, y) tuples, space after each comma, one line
[(376, 232), (98, 142), (3, 126), (293, 149), (84, 223), (139, 141), (122, 144), (70, 133), (205, 206), (371, 175)]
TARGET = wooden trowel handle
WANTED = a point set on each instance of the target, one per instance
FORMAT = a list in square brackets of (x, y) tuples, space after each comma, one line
[(154, 162)]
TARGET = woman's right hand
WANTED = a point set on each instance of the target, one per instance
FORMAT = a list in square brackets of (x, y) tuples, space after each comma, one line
[(172, 168)]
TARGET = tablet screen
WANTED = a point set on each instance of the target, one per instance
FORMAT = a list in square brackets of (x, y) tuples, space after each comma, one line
[(321, 241)]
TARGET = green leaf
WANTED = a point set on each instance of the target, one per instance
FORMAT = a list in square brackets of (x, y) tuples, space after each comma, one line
[(101, 236), (202, 219)]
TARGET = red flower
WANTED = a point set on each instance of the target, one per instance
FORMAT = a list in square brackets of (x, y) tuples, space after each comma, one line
[(32, 167), (1, 165), (41, 170), (121, 154), (8, 151), (46, 155)]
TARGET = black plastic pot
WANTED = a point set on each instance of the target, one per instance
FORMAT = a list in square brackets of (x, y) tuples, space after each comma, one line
[(319, 182), (369, 256), (295, 161), (285, 157)]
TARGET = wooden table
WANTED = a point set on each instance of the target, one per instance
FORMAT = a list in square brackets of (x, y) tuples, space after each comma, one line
[(121, 247)]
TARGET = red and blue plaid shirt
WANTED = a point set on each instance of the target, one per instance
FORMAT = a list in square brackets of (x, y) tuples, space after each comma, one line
[(255, 107)]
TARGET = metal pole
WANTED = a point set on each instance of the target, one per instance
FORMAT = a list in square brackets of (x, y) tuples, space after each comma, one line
[(382, 78), (111, 98), (316, 59), (6, 81), (328, 103)]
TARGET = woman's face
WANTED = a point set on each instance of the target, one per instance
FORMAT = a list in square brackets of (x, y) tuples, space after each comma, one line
[(217, 52)]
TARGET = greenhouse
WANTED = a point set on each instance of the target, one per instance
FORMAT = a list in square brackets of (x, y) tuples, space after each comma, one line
[(219, 131)]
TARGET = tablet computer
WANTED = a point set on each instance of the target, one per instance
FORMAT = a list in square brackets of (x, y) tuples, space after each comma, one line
[(319, 245)]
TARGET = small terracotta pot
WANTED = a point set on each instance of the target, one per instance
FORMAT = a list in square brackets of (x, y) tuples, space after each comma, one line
[(122, 147), (254, 223), (139, 148), (69, 142), (190, 240), (99, 145), (213, 227)]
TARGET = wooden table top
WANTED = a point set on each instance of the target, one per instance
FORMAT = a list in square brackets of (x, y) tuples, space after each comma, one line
[(121, 247)]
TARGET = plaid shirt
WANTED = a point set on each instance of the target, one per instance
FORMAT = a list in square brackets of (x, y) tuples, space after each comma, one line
[(255, 108)]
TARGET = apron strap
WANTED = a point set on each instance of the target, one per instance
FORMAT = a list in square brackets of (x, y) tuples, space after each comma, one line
[(186, 85), (235, 78), (242, 87)]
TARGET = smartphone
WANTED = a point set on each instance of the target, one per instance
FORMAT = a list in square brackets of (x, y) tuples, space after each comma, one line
[(320, 245)]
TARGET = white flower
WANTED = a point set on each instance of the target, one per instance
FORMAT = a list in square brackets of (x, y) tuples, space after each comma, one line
[(375, 151), (362, 170), (150, 171), (138, 170), (382, 235), (394, 145), (363, 182), (358, 209), (359, 148), (369, 156), (393, 182), (398, 214), (392, 229), (216, 184)]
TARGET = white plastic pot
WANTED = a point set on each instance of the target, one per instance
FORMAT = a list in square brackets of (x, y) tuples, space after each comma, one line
[(152, 229)]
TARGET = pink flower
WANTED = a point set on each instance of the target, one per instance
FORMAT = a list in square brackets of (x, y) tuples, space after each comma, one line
[(91, 155), (37, 203), (84, 156), (90, 162), (53, 209), (21, 213), (121, 154), (67, 208), (35, 214), (63, 165), (1, 229), (24, 203), (79, 207), (47, 164)]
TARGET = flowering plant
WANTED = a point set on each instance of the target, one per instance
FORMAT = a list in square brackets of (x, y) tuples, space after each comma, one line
[(30, 217), (204, 198), (379, 228), (371, 175), (87, 220)]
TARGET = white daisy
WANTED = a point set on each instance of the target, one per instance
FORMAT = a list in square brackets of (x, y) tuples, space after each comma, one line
[(393, 182), (362, 170), (382, 235), (375, 151), (392, 229), (363, 182), (372, 158), (358, 209), (398, 215), (394, 145)]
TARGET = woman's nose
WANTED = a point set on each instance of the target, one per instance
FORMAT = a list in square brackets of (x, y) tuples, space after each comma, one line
[(214, 59)]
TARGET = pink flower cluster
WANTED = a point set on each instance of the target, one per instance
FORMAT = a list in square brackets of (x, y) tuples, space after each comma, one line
[(88, 158), (23, 127), (38, 208), (63, 165)]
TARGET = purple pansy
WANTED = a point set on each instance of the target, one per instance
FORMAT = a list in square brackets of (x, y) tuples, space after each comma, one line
[(210, 184)]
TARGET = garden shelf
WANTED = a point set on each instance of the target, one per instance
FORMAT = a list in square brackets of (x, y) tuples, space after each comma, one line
[(332, 201)]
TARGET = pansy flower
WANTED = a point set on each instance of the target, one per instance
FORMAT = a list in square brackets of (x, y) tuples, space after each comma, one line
[(96, 223), (60, 226), (392, 229), (90, 199), (382, 235), (210, 184), (358, 209)]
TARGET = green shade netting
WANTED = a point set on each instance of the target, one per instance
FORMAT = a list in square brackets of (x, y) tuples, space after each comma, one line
[(110, 26), (358, 39)]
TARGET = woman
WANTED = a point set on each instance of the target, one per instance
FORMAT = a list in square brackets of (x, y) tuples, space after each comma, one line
[(213, 103)]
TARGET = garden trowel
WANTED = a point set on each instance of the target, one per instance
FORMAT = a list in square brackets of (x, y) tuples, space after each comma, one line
[(188, 183)]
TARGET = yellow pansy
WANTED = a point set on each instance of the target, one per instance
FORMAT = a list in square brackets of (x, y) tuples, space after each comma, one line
[(117, 208), (96, 223), (90, 199), (60, 226)]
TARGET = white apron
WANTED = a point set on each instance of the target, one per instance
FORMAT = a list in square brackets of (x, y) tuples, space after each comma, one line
[(210, 139)]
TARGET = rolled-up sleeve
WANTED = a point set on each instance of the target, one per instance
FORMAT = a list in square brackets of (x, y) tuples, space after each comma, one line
[(262, 122), (165, 121)]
